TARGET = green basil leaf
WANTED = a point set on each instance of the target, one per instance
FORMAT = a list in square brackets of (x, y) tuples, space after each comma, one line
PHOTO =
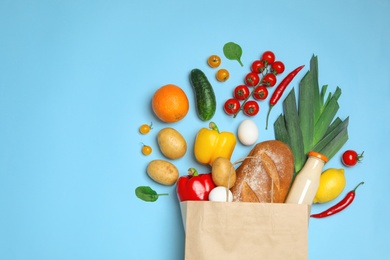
[(233, 51), (146, 193)]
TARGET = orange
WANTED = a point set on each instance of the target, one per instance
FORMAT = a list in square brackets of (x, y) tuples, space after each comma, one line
[(170, 103)]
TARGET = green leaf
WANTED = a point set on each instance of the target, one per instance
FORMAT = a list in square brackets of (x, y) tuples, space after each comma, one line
[(306, 108), (325, 119), (336, 96), (294, 130), (323, 92), (146, 193), (335, 128), (233, 51), (335, 144), (334, 124), (280, 130), (316, 87)]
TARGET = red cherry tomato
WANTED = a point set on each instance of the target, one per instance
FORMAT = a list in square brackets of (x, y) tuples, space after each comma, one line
[(258, 66), (241, 92), (251, 108), (269, 80), (268, 57), (252, 79), (351, 158), (260, 93), (277, 67), (231, 106)]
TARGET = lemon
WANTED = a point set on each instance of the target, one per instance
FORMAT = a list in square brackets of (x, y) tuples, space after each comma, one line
[(332, 183)]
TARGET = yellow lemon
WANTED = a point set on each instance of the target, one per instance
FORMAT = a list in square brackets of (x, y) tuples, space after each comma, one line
[(332, 183)]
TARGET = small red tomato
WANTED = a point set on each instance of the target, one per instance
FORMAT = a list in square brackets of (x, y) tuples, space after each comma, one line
[(269, 80), (268, 57), (351, 158), (251, 108), (260, 93), (241, 92), (258, 66), (277, 67), (231, 106), (252, 79)]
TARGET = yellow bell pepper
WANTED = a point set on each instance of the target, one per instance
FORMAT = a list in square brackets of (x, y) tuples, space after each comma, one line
[(211, 144)]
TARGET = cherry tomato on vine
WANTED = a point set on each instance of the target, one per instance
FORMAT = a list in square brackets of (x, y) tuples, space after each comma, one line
[(146, 149), (214, 61), (232, 106), (251, 108), (269, 80), (252, 79), (260, 93), (222, 75), (277, 67), (144, 129), (268, 57), (351, 158), (241, 92), (258, 66)]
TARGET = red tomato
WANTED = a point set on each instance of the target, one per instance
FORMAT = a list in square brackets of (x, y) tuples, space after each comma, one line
[(252, 79), (251, 108), (269, 80), (268, 57), (260, 93), (351, 158), (277, 67), (258, 66), (241, 92), (231, 106)]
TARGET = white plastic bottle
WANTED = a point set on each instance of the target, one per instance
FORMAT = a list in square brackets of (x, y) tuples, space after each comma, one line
[(305, 185)]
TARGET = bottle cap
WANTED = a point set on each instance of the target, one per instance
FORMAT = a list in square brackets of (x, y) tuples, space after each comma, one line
[(318, 155)]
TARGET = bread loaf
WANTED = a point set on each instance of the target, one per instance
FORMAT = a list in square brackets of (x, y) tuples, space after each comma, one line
[(266, 173)]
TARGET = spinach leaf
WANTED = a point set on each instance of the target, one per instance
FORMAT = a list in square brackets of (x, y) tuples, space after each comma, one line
[(233, 51), (146, 193)]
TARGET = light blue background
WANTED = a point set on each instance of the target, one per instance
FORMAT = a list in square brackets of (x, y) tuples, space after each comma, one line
[(76, 81)]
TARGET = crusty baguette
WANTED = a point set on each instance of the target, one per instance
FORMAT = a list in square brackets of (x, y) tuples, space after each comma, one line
[(267, 172)]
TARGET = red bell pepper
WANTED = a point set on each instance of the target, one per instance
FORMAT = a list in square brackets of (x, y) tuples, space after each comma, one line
[(194, 186)]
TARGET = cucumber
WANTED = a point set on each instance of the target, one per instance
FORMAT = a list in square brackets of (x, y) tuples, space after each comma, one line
[(206, 103)]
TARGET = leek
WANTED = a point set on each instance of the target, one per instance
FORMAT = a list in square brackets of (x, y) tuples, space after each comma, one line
[(312, 125)]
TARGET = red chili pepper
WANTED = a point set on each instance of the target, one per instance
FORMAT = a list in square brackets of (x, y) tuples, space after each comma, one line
[(194, 186), (348, 199), (280, 89)]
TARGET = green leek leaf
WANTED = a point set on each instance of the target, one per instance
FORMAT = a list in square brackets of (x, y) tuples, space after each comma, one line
[(294, 130), (325, 119), (330, 135), (280, 130)]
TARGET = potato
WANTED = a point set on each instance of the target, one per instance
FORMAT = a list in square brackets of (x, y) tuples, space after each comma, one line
[(172, 144), (223, 172), (162, 172)]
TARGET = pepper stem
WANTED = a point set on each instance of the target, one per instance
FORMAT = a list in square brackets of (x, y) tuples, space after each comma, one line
[(269, 111), (358, 186), (213, 126), (192, 172)]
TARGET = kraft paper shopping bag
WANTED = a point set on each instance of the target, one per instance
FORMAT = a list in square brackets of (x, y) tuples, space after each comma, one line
[(239, 230)]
